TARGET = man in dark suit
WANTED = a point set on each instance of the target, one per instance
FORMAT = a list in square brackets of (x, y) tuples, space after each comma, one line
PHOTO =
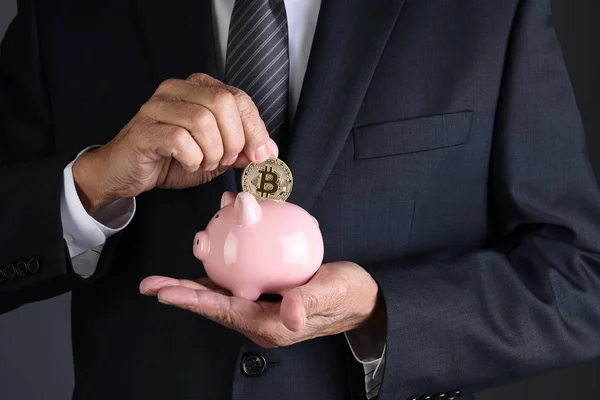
[(437, 143)]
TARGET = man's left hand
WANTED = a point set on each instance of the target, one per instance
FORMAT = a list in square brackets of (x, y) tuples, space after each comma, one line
[(340, 297)]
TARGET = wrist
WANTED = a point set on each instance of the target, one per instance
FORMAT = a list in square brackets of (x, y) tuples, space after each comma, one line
[(376, 322), (368, 340), (88, 173)]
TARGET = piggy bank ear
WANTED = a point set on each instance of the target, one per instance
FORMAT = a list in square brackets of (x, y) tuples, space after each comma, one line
[(247, 210), (227, 199)]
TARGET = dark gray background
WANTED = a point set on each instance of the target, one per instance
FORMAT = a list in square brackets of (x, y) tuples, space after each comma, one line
[(35, 342)]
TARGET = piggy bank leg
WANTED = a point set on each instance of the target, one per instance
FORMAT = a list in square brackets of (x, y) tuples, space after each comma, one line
[(246, 294)]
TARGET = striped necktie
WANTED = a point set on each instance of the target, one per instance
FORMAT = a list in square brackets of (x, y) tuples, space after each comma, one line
[(258, 59)]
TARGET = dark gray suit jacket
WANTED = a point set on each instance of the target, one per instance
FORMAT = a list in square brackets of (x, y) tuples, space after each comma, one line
[(437, 142)]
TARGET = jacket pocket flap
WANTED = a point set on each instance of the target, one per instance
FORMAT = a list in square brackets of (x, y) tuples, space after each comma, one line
[(412, 135)]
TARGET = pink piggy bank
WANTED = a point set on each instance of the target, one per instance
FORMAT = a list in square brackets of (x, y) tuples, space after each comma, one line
[(252, 247)]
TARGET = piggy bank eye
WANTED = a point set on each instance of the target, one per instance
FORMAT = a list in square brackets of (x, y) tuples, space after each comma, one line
[(217, 216)]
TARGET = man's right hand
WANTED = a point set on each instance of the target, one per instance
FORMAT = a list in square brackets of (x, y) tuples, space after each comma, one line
[(189, 132)]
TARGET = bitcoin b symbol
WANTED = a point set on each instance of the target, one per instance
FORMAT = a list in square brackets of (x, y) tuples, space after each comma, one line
[(268, 182)]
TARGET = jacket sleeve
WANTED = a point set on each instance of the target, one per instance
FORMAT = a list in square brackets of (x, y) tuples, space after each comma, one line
[(530, 302), (34, 258)]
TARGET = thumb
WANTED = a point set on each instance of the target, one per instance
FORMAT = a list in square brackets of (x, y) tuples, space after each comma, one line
[(292, 311), (297, 305), (243, 160)]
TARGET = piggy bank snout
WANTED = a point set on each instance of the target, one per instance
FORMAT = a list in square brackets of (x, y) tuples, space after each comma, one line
[(201, 245)]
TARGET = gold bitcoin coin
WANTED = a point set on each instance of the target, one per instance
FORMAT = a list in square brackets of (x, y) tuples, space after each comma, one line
[(269, 180)]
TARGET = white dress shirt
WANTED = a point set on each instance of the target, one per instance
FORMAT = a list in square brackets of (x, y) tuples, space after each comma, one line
[(85, 236)]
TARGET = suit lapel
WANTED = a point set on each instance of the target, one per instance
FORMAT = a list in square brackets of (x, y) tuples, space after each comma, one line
[(348, 42), (180, 42)]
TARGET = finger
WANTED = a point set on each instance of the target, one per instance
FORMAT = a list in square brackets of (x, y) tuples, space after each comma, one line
[(242, 161), (273, 149), (207, 134), (255, 133), (153, 284), (224, 108), (171, 141), (181, 297), (186, 298), (325, 294), (242, 315), (204, 90), (192, 89), (258, 321), (272, 330), (293, 311), (198, 120), (204, 79), (206, 282), (212, 305), (209, 92)]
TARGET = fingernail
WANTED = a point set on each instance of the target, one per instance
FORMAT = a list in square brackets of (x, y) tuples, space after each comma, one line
[(262, 153), (213, 167), (230, 161)]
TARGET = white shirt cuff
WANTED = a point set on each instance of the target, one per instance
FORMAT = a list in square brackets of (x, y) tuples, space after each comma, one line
[(84, 234), (372, 364)]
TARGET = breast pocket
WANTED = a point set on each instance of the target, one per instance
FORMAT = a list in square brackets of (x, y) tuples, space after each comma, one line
[(412, 135), (390, 169)]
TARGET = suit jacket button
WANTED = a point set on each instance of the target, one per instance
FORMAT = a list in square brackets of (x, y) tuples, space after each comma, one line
[(412, 398), (426, 397), (454, 395), (9, 272), (441, 396), (21, 268), (253, 364), (33, 266)]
